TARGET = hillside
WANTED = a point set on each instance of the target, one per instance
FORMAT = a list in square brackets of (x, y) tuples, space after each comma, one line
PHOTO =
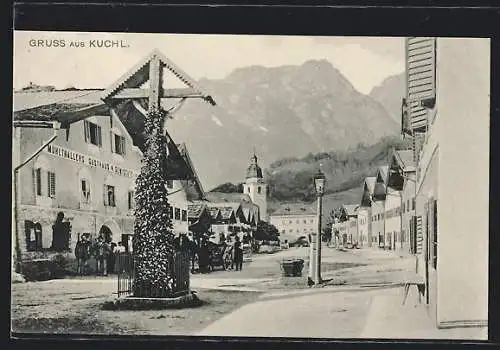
[(291, 179), (284, 112), (389, 94)]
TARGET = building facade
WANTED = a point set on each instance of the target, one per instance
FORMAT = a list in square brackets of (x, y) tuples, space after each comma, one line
[(450, 112), (366, 205), (378, 206), (294, 221), (87, 175)]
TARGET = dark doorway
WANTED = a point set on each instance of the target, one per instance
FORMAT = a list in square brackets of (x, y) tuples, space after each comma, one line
[(106, 233)]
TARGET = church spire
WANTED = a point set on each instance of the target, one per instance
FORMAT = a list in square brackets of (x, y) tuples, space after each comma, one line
[(254, 170)]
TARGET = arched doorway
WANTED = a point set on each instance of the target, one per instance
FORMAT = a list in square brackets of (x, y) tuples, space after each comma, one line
[(106, 233)]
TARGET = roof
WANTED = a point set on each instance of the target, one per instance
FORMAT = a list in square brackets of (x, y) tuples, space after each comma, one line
[(220, 197), (139, 74), (226, 212), (195, 210), (295, 209), (370, 183), (213, 211), (405, 159), (194, 175), (254, 170), (28, 99), (351, 209), (383, 171)]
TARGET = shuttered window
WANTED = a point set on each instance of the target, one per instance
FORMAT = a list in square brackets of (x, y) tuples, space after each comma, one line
[(117, 144), (420, 79), (51, 184), (92, 133), (184, 215), (85, 190), (177, 214), (109, 196)]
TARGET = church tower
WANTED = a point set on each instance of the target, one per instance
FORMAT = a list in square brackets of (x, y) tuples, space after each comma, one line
[(256, 188)]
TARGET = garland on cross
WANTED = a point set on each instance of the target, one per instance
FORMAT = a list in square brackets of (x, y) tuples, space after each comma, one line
[(153, 235)]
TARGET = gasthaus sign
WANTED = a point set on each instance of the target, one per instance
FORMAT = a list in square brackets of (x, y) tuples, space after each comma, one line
[(89, 160)]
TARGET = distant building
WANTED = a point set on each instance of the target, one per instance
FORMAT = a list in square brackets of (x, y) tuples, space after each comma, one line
[(366, 205), (447, 113), (349, 215), (401, 183), (378, 207), (294, 221), (231, 213), (256, 187)]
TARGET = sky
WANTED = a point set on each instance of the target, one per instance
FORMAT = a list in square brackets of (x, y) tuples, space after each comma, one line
[(364, 61)]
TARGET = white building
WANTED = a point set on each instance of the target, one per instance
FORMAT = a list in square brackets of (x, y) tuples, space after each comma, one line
[(448, 111), (294, 221)]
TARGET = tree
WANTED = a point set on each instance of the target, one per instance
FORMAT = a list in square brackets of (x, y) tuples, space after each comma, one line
[(266, 232), (153, 236)]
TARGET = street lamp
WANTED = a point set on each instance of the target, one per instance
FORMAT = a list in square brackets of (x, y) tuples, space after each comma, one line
[(315, 249)]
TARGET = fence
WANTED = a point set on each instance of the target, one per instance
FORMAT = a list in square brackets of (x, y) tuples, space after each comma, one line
[(177, 282)]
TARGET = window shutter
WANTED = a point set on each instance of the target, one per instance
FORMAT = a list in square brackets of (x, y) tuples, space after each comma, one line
[(52, 184), (112, 141), (38, 181), (433, 232), (122, 142), (105, 195), (420, 78), (86, 130), (419, 234), (99, 135)]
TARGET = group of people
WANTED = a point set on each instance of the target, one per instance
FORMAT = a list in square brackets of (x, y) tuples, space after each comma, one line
[(103, 251)]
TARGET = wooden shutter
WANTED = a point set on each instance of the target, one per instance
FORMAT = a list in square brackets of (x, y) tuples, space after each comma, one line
[(419, 234), (86, 130), (433, 231), (105, 195), (112, 141), (420, 78), (122, 143), (51, 184), (99, 135), (38, 181)]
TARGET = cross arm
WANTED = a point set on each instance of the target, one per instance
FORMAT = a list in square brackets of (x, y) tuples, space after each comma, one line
[(137, 93)]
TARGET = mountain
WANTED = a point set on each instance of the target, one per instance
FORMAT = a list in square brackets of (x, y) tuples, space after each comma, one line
[(283, 112), (389, 94)]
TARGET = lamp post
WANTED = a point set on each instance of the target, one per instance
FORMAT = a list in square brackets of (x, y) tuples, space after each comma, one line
[(315, 248)]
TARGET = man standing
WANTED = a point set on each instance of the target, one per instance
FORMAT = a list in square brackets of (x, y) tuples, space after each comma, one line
[(82, 253), (238, 253), (102, 256)]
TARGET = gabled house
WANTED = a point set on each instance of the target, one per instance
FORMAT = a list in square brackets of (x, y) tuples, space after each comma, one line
[(401, 184), (365, 210), (350, 217), (378, 205)]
